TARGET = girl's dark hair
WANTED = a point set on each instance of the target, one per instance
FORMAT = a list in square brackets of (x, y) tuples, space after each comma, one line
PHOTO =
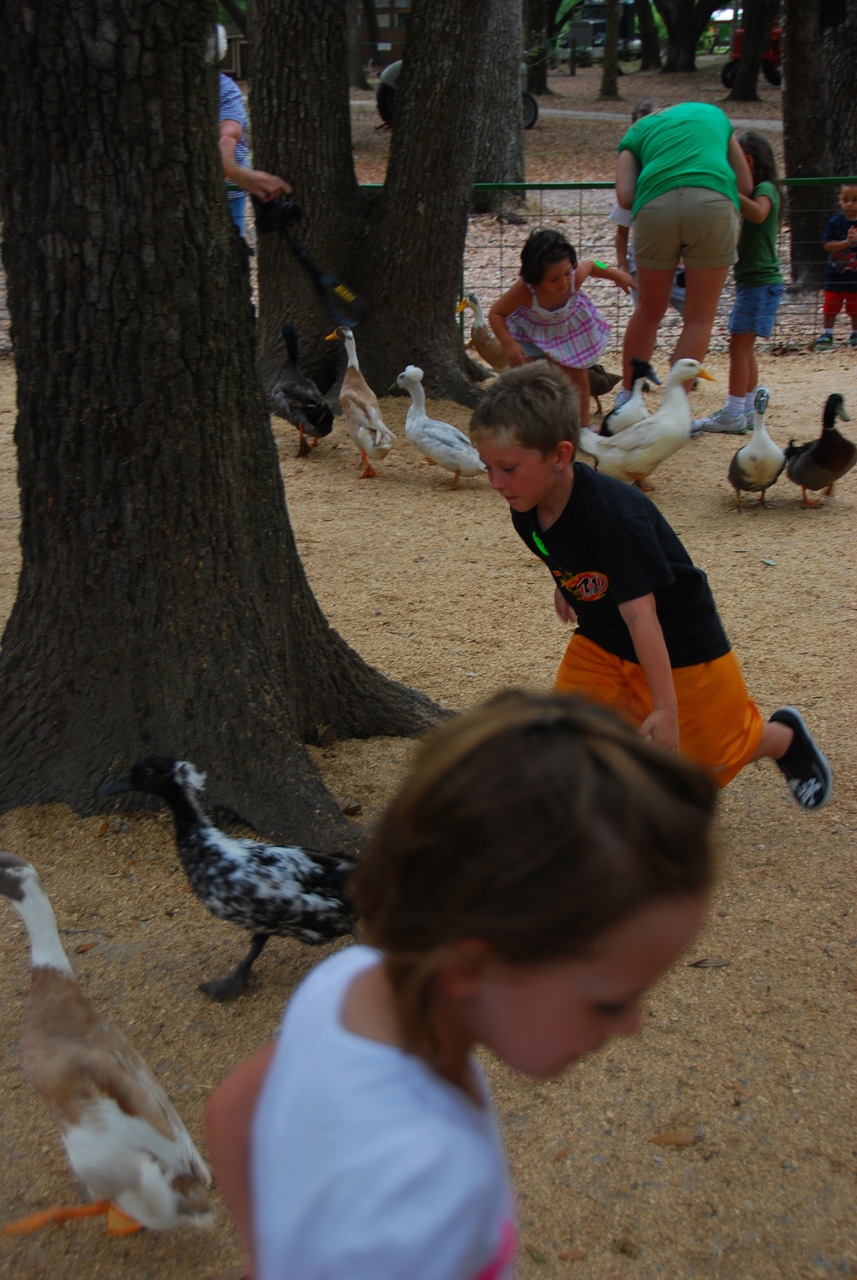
[(541, 250), (534, 823), (757, 145)]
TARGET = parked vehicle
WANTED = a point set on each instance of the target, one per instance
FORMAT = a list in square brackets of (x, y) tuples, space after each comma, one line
[(771, 57)]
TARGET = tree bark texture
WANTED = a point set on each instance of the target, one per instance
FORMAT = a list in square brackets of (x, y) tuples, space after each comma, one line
[(610, 70), (685, 21), (400, 248), (162, 607), (757, 18), (806, 133), (500, 134), (840, 54), (650, 52)]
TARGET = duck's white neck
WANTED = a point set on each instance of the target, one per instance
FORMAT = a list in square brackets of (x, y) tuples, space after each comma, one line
[(675, 389), (418, 396), (759, 423), (478, 314), (351, 350), (36, 912)]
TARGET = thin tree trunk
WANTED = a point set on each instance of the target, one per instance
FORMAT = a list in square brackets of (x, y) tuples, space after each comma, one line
[(685, 21), (806, 133), (610, 72), (500, 136), (162, 606), (758, 15), (650, 53), (536, 44), (356, 72)]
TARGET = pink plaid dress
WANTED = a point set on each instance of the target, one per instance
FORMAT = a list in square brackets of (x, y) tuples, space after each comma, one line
[(575, 335)]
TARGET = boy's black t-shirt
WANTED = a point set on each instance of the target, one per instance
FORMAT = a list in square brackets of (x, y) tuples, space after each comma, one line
[(611, 545)]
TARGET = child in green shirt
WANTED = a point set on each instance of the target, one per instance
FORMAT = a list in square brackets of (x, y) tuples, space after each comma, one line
[(759, 287)]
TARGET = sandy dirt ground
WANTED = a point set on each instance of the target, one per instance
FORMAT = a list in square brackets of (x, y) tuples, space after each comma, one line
[(718, 1143)]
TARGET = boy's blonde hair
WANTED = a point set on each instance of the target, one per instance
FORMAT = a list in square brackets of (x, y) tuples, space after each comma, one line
[(535, 823), (534, 406)]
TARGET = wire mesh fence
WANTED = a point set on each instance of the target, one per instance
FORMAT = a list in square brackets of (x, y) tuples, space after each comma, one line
[(581, 211)]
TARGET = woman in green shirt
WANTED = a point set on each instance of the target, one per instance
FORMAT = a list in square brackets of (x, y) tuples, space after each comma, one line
[(680, 172)]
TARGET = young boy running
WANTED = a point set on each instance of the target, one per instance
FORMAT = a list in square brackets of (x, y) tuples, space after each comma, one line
[(649, 641)]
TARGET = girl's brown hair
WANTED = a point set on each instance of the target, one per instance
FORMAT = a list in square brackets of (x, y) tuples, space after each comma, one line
[(534, 823), (534, 406), (755, 144)]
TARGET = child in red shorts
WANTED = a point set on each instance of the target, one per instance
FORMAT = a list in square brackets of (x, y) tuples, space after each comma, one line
[(649, 641), (840, 276)]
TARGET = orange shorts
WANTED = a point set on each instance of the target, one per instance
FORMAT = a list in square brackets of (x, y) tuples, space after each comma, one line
[(719, 723)]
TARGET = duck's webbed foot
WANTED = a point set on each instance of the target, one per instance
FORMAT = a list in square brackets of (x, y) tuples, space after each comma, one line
[(232, 986)]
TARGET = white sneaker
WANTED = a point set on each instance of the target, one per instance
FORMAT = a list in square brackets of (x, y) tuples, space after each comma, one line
[(732, 424)]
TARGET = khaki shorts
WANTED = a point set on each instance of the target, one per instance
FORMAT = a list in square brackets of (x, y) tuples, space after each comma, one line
[(693, 223)]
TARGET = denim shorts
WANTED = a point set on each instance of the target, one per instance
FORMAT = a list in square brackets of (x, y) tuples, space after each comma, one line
[(755, 309)]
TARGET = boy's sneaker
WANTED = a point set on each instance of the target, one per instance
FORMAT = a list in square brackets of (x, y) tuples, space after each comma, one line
[(731, 424), (803, 766), (852, 341), (823, 343)]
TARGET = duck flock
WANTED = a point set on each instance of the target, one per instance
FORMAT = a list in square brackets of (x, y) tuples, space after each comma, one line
[(630, 444), (122, 1136)]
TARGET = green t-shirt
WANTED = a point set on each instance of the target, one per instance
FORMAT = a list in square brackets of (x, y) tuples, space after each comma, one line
[(757, 244), (683, 146)]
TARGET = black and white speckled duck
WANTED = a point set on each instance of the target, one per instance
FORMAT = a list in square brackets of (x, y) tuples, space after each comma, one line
[(284, 891)]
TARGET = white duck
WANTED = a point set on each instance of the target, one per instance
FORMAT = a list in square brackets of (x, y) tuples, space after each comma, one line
[(363, 419), (633, 410), (122, 1136), (438, 442), (760, 462), (482, 337), (635, 452)]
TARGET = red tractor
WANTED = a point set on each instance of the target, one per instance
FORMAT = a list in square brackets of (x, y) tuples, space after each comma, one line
[(770, 57)]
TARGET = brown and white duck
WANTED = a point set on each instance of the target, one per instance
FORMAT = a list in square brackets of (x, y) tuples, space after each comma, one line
[(122, 1136)]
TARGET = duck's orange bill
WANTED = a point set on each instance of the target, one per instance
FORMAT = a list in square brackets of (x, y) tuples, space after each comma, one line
[(708, 376), (58, 1215)]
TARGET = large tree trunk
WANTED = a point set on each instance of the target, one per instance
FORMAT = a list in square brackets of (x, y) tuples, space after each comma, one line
[(650, 52), (500, 134), (758, 16), (840, 55), (685, 21), (162, 607), (610, 71), (400, 249), (806, 133)]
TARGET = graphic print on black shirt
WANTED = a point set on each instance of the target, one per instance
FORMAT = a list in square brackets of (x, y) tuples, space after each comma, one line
[(611, 545)]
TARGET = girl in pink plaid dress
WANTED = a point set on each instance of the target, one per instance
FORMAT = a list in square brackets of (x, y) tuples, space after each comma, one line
[(544, 314)]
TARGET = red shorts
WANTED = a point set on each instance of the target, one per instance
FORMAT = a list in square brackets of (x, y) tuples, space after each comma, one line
[(836, 299), (719, 723)]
